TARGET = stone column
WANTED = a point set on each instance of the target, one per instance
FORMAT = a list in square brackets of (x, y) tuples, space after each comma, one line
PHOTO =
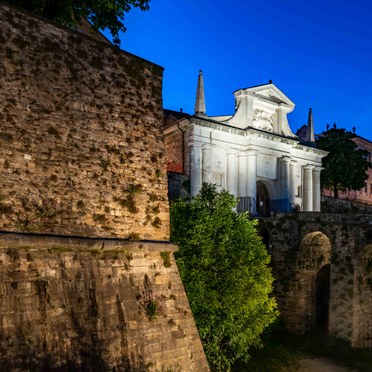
[(207, 163), (292, 184), (232, 173), (307, 197), (285, 182), (195, 168), (242, 175), (252, 180), (316, 189)]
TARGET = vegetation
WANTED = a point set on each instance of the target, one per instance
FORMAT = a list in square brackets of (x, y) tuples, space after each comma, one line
[(101, 13), (224, 267), (345, 166)]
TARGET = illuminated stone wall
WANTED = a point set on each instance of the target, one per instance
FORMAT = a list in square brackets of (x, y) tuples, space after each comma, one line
[(88, 280), (94, 305), (81, 147)]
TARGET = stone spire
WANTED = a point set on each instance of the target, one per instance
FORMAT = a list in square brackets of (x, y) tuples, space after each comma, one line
[(310, 128), (200, 100)]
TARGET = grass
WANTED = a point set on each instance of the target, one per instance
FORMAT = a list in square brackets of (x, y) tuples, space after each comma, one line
[(282, 352)]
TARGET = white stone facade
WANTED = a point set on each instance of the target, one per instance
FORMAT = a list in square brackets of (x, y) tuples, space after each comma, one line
[(253, 154)]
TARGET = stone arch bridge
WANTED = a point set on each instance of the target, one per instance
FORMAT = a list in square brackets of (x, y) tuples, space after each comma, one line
[(323, 269)]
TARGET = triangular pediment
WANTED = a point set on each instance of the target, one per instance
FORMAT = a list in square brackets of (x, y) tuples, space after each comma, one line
[(268, 92), (264, 107)]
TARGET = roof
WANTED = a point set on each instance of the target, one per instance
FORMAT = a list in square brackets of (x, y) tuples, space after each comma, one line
[(176, 114)]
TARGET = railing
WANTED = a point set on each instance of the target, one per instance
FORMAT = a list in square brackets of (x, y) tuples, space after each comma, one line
[(246, 204)]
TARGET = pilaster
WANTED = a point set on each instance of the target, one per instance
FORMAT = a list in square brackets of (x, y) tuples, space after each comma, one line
[(316, 189), (206, 163), (232, 172), (195, 168), (252, 179), (242, 175), (307, 198)]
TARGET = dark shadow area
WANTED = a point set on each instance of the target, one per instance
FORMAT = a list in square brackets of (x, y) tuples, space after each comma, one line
[(262, 200), (322, 288), (283, 352)]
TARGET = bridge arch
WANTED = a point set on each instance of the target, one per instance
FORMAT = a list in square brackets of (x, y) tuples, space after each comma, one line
[(322, 263), (313, 271)]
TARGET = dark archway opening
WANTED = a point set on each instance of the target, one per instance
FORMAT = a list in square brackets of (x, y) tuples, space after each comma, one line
[(262, 200), (322, 291)]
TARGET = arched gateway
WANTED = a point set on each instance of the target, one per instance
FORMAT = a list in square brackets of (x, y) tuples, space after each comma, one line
[(262, 200)]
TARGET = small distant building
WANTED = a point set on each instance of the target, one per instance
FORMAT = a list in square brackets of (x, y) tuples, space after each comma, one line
[(253, 153), (363, 195)]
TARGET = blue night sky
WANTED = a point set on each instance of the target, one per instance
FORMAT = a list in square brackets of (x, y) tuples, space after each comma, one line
[(318, 53)]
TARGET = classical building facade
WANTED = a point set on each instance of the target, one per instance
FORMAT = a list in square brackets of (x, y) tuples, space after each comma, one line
[(253, 153)]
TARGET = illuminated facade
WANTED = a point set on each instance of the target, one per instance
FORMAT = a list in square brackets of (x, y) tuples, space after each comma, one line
[(253, 153)]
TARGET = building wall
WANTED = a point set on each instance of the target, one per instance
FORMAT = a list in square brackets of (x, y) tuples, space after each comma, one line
[(81, 147), (174, 152), (223, 155)]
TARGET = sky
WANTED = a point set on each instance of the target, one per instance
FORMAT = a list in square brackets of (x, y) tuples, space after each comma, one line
[(318, 53)]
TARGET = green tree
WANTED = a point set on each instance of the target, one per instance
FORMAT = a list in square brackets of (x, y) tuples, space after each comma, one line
[(345, 167), (224, 267), (101, 13)]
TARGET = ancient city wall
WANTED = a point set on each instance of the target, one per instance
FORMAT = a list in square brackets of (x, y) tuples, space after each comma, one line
[(88, 280), (81, 148), (93, 305), (303, 246)]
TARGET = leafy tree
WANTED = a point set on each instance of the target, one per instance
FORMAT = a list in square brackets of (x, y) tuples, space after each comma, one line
[(101, 13), (345, 166), (224, 267)]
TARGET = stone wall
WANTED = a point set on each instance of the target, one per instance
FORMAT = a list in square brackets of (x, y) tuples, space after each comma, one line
[(302, 246), (88, 280), (174, 152), (93, 305), (81, 145), (333, 205)]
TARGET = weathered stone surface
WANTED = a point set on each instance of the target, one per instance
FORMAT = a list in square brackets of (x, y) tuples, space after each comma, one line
[(301, 246), (84, 304), (82, 154), (333, 205), (81, 146)]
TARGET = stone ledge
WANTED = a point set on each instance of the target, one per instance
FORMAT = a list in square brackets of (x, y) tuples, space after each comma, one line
[(66, 244)]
